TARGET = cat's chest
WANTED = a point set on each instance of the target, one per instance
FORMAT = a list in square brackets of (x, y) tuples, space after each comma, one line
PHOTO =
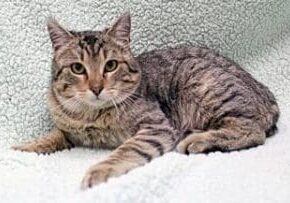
[(102, 131), (93, 136)]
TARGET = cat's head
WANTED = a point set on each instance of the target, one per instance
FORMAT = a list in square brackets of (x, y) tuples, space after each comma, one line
[(93, 68)]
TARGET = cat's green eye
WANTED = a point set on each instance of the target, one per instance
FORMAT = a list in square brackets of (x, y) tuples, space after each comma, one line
[(78, 68), (111, 66)]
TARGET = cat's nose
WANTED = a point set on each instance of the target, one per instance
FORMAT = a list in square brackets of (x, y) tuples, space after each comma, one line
[(97, 90)]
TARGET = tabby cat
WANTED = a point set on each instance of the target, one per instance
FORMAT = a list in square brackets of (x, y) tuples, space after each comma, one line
[(187, 99)]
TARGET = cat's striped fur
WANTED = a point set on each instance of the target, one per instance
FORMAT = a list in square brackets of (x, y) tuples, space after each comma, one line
[(189, 99)]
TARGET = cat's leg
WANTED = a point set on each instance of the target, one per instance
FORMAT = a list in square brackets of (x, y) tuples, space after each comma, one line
[(234, 135), (137, 151), (54, 141)]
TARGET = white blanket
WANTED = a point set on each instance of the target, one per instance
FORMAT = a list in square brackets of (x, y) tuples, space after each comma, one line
[(254, 33)]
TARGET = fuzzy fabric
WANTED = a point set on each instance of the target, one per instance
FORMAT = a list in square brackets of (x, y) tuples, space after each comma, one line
[(254, 33)]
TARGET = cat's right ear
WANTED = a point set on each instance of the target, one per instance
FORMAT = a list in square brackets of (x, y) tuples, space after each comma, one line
[(58, 35), (120, 31)]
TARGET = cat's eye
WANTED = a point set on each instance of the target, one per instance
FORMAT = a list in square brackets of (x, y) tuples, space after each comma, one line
[(111, 66), (78, 68)]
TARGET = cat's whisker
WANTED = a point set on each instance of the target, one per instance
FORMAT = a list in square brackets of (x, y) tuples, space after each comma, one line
[(120, 107), (127, 92), (113, 101), (129, 102)]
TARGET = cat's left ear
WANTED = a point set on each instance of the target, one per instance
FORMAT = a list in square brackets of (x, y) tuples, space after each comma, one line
[(120, 31), (59, 36)]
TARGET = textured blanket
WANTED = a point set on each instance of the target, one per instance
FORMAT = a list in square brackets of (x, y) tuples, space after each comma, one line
[(256, 34)]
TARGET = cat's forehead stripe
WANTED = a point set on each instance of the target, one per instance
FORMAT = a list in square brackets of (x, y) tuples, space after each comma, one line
[(89, 41)]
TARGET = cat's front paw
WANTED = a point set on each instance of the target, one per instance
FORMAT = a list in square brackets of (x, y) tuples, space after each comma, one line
[(98, 174), (33, 147)]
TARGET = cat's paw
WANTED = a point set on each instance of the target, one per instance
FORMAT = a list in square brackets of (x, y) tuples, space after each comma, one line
[(33, 147), (194, 144), (97, 174)]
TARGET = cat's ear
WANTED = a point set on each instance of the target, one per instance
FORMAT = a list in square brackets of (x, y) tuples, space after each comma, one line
[(58, 35), (120, 31)]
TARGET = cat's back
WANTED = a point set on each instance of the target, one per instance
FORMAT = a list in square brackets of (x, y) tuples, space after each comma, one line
[(165, 69), (176, 67), (188, 78)]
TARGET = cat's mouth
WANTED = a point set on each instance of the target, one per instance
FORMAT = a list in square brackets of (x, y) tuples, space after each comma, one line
[(102, 100)]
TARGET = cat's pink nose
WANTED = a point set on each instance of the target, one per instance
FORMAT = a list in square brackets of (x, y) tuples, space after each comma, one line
[(97, 90)]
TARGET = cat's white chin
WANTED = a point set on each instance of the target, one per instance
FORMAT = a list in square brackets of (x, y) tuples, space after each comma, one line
[(98, 104)]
